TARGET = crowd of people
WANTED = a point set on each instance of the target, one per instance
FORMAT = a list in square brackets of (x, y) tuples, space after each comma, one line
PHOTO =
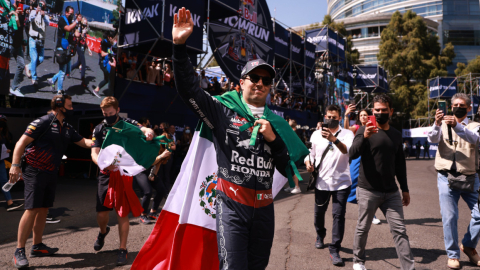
[(29, 41)]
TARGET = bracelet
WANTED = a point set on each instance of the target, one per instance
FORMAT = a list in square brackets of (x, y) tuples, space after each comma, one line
[(337, 141), (17, 165)]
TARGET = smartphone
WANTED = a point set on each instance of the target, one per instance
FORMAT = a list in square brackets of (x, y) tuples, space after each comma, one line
[(442, 105), (372, 119)]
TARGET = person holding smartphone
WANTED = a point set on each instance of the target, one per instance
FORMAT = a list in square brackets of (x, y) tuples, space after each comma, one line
[(332, 143), (380, 147)]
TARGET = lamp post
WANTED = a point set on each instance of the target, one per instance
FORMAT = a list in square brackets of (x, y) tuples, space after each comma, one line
[(394, 77)]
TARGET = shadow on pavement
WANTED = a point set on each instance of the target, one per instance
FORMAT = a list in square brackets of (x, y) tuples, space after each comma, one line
[(424, 222), (97, 260)]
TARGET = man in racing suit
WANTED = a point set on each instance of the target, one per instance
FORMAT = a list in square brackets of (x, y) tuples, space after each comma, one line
[(244, 203)]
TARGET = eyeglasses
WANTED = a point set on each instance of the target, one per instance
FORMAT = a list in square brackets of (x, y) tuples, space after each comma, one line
[(254, 78)]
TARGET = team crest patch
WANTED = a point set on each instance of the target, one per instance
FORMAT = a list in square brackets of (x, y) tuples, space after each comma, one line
[(208, 193)]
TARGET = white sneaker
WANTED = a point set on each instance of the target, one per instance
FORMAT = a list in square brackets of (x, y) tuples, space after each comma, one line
[(296, 190), (359, 266), (376, 221), (289, 189)]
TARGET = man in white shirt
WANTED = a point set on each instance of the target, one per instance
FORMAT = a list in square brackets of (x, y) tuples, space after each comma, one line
[(333, 178), (458, 156)]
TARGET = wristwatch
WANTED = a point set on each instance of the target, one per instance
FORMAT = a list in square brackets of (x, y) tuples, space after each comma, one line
[(336, 142), (16, 165)]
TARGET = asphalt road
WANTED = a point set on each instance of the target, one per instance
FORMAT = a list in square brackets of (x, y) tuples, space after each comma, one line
[(293, 246), (71, 85)]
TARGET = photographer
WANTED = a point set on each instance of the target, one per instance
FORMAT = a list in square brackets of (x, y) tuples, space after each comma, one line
[(457, 158), (107, 62), (36, 41), (330, 154), (81, 43), (42, 145), (17, 50), (65, 46)]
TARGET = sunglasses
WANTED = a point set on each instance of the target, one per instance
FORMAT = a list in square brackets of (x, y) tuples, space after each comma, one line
[(254, 78)]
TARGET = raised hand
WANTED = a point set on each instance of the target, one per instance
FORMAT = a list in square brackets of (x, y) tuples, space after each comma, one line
[(182, 26)]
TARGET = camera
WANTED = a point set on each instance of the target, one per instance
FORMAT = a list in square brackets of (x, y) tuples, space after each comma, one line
[(42, 6)]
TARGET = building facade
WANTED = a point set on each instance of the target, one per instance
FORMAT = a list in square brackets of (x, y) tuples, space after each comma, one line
[(455, 21)]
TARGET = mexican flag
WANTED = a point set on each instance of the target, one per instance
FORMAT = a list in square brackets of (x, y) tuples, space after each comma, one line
[(184, 236), (126, 147)]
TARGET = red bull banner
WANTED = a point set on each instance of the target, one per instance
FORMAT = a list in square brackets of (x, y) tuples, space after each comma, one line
[(239, 39), (94, 44)]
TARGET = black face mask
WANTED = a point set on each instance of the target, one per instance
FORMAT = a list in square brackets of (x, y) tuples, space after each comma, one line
[(382, 118), (332, 123), (70, 18), (67, 113), (111, 119), (459, 112)]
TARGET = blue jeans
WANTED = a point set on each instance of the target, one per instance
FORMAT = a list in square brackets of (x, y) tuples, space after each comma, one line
[(36, 57), (449, 210), (4, 180), (63, 69)]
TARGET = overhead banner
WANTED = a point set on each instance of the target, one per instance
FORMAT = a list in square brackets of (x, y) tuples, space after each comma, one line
[(296, 45), (136, 30), (237, 40), (282, 42), (327, 40), (309, 54), (443, 87), (221, 8), (371, 78)]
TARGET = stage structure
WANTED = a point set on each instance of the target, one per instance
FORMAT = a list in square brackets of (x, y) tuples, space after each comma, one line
[(442, 89)]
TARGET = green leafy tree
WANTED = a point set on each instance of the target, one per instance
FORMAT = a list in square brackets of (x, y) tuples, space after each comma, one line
[(462, 70), (407, 48)]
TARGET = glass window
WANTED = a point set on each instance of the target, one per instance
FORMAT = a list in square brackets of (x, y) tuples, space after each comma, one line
[(356, 33), (474, 7), (364, 32), (461, 7), (373, 31), (462, 37), (348, 12), (381, 28)]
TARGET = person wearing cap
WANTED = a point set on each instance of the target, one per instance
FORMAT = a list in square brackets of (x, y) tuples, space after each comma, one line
[(244, 202)]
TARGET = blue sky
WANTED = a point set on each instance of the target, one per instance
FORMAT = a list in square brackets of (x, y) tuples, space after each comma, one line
[(298, 12)]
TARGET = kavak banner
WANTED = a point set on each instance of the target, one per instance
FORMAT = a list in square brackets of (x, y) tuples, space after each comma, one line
[(282, 41), (443, 87), (368, 79), (309, 54), (310, 84), (239, 39), (297, 48), (136, 31), (319, 37)]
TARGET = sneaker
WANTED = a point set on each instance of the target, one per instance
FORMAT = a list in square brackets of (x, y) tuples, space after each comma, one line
[(20, 259), (296, 190), (289, 189), (336, 259), (42, 250), (34, 82), (100, 240), (453, 263), (60, 92), (319, 243), (471, 254), (16, 92), (27, 72), (122, 257), (13, 206), (51, 84), (376, 221), (145, 219), (154, 215), (359, 266), (52, 220)]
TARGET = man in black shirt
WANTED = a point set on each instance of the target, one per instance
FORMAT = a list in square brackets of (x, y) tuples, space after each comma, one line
[(382, 160), (43, 145), (110, 111), (66, 28)]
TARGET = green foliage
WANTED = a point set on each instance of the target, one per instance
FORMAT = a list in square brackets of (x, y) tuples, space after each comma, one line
[(202, 192), (202, 204), (407, 48), (472, 67)]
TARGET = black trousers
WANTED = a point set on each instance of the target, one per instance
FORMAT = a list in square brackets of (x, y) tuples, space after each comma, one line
[(147, 187), (339, 207)]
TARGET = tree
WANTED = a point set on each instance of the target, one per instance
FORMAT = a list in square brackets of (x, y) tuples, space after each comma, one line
[(407, 48), (472, 67)]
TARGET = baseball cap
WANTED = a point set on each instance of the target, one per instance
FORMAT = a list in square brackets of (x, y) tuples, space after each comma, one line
[(3, 117), (258, 63)]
